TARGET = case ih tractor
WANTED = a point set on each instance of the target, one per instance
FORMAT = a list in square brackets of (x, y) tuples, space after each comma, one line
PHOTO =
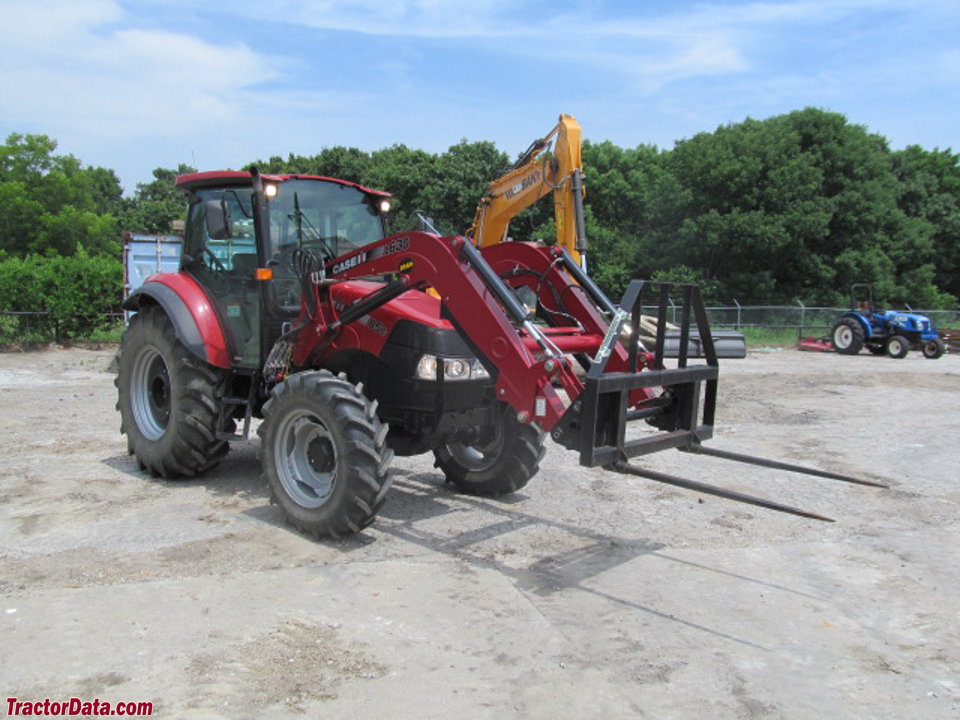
[(890, 332), (292, 305)]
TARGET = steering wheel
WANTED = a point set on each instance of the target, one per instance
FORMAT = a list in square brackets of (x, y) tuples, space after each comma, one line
[(214, 259)]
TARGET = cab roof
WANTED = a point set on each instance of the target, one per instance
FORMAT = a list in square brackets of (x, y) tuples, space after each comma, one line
[(218, 178)]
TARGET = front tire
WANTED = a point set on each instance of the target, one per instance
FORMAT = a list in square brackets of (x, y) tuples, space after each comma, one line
[(503, 463), (932, 349), (168, 400), (324, 454), (898, 346), (847, 336)]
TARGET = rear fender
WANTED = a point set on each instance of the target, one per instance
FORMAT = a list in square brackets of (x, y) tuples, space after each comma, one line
[(190, 311), (864, 323)]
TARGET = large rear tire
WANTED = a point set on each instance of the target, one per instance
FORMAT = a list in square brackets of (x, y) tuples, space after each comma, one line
[(503, 463), (847, 336), (168, 400), (324, 454)]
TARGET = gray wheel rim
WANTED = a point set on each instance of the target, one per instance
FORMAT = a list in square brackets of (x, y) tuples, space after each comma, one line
[(895, 347), (476, 458), (306, 458), (842, 337), (150, 393)]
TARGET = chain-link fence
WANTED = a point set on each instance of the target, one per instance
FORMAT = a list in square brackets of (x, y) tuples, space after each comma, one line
[(805, 320), (21, 327)]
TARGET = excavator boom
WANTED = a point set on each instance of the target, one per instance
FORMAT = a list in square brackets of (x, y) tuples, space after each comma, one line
[(552, 164)]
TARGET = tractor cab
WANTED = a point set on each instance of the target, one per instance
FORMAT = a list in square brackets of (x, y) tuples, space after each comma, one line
[(242, 235)]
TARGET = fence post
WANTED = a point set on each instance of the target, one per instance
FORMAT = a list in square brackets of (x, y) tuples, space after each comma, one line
[(803, 319), (738, 313)]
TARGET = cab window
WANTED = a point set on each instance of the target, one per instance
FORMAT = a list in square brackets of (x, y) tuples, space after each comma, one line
[(235, 254)]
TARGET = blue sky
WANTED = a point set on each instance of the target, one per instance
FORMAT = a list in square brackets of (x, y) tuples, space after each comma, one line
[(134, 85)]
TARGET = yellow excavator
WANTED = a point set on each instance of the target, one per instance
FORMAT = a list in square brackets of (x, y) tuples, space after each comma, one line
[(550, 164), (553, 164)]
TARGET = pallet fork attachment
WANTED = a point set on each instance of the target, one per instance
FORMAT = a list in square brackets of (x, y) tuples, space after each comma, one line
[(596, 423)]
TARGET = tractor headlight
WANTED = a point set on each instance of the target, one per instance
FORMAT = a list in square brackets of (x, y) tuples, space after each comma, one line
[(453, 368), (456, 369)]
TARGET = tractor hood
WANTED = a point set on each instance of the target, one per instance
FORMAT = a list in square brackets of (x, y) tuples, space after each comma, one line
[(908, 321)]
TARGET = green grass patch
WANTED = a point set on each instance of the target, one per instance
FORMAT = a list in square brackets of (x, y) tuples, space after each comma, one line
[(111, 333), (772, 337)]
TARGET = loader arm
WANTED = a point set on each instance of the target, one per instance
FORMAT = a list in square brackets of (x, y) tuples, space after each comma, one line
[(537, 173), (490, 318), (531, 363)]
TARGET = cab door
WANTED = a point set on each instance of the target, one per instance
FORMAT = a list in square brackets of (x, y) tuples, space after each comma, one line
[(226, 268)]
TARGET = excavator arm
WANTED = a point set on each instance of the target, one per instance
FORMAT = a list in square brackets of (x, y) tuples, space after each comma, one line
[(539, 172)]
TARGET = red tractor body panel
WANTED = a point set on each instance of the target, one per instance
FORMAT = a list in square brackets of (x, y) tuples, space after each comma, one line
[(371, 332), (199, 312)]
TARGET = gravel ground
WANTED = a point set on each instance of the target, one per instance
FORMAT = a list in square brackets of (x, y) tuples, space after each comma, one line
[(586, 595)]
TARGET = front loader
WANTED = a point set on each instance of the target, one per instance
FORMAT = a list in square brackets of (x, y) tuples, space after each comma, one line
[(291, 305)]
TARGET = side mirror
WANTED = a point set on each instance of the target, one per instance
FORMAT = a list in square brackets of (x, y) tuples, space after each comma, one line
[(219, 224)]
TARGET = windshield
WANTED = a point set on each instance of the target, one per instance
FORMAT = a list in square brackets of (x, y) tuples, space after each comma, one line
[(326, 216)]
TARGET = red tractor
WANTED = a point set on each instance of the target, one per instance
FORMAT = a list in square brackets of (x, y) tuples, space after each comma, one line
[(292, 305)]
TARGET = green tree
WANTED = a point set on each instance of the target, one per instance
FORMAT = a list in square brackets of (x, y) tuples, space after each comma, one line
[(156, 204), (52, 202), (462, 175), (633, 204), (929, 194), (19, 221), (77, 291), (795, 206)]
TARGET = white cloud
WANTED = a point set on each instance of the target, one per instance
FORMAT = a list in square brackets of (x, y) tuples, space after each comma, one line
[(121, 81), (130, 97), (418, 18), (135, 85)]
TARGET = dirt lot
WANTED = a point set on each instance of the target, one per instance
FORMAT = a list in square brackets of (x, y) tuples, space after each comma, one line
[(586, 595)]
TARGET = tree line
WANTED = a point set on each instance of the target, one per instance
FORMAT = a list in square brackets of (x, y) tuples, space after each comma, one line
[(794, 207)]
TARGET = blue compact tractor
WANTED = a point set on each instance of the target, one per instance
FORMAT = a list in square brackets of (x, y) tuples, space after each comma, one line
[(889, 332)]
